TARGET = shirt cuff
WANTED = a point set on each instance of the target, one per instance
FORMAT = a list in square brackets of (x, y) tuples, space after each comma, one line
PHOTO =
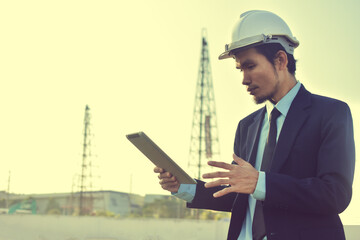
[(260, 190), (186, 192)]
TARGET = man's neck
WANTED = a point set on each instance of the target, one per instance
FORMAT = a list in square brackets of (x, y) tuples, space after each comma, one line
[(287, 85)]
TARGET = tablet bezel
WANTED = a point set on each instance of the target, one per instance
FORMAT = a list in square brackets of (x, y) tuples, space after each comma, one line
[(157, 156)]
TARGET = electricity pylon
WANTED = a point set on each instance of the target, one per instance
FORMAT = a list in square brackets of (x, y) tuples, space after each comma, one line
[(204, 143), (85, 198)]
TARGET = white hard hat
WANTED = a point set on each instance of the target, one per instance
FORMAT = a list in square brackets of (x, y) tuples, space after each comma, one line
[(260, 27)]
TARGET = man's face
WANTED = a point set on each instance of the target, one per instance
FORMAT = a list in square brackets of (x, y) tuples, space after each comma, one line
[(259, 75)]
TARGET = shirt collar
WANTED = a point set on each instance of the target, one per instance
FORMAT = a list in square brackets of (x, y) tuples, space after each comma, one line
[(284, 104)]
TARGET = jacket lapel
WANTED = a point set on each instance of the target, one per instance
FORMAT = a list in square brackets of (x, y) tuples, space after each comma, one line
[(253, 137), (295, 118)]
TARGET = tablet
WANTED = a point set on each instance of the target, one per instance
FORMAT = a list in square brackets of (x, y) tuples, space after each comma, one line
[(159, 157)]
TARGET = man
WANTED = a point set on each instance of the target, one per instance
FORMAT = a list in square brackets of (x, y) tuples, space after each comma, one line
[(293, 159)]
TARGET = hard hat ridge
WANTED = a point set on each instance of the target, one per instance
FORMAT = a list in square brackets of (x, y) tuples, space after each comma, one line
[(259, 27)]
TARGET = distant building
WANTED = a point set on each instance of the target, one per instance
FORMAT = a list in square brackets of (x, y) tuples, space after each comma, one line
[(3, 194), (149, 198), (118, 203)]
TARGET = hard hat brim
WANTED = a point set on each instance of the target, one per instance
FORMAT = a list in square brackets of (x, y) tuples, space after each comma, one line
[(287, 42), (225, 55)]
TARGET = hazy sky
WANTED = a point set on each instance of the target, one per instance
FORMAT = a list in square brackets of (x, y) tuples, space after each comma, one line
[(135, 63)]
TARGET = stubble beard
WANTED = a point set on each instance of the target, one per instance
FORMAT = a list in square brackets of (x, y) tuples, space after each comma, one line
[(270, 97), (259, 100)]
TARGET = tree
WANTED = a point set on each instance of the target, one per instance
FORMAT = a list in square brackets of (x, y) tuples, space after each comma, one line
[(53, 207), (3, 203), (175, 208)]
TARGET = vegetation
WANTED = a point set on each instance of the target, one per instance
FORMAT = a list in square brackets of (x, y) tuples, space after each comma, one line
[(3, 203), (103, 213), (162, 207), (53, 207), (175, 208)]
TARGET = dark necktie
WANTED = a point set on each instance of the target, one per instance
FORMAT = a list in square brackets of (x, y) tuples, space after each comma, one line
[(258, 228)]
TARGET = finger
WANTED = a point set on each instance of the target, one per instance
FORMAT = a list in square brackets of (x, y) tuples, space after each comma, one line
[(170, 186), (165, 175), (223, 192), (238, 160), (167, 180), (216, 183), (221, 165), (173, 189), (158, 170), (216, 175)]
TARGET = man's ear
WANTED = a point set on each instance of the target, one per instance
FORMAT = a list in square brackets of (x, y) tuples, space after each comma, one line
[(281, 60)]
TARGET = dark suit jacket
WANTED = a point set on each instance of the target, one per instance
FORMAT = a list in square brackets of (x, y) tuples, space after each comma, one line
[(310, 180)]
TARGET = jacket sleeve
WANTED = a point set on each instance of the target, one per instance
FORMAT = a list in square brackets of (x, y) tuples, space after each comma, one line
[(204, 196), (330, 190), (204, 199)]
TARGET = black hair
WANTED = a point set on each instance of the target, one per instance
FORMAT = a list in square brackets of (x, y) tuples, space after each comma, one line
[(270, 50)]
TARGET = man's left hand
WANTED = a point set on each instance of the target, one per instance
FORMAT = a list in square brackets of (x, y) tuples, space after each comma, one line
[(242, 178)]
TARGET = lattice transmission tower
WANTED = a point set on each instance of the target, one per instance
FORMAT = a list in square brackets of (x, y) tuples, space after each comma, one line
[(204, 142), (85, 186)]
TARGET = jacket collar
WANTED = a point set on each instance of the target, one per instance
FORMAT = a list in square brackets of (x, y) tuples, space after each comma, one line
[(294, 120)]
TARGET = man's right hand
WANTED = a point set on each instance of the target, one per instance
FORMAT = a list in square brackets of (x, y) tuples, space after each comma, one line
[(167, 180)]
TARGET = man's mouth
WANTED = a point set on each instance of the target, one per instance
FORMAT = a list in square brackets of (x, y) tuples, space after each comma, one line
[(251, 90)]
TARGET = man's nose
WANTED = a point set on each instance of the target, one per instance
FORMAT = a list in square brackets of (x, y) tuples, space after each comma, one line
[(246, 79)]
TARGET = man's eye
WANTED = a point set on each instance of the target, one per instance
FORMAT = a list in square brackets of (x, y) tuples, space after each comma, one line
[(251, 67)]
